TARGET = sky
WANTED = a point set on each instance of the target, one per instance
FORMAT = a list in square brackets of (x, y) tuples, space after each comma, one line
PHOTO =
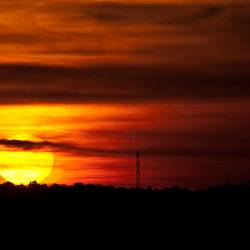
[(97, 80)]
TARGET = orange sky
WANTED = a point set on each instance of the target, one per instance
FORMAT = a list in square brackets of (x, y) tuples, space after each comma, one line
[(83, 31), (181, 142), (100, 79)]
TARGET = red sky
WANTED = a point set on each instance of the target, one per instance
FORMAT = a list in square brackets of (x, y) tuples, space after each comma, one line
[(99, 79)]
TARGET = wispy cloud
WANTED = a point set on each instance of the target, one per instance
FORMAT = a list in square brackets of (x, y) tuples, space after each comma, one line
[(204, 144), (57, 147)]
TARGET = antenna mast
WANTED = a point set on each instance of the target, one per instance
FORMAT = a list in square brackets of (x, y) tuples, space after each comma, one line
[(138, 170)]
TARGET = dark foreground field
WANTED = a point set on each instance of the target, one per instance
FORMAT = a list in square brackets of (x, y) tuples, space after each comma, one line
[(109, 210)]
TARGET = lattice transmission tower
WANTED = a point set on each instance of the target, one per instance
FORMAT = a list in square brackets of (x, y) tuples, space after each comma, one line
[(138, 170)]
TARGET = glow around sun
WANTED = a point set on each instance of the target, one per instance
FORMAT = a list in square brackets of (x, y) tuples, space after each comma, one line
[(22, 166)]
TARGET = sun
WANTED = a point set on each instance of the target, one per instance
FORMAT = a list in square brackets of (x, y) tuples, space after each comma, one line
[(22, 166)]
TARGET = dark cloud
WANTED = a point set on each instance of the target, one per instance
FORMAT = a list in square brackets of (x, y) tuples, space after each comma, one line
[(194, 143), (119, 83), (161, 51), (156, 13), (57, 147), (26, 145)]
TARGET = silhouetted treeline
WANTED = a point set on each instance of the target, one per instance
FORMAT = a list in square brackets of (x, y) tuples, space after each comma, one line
[(80, 195), (100, 206)]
